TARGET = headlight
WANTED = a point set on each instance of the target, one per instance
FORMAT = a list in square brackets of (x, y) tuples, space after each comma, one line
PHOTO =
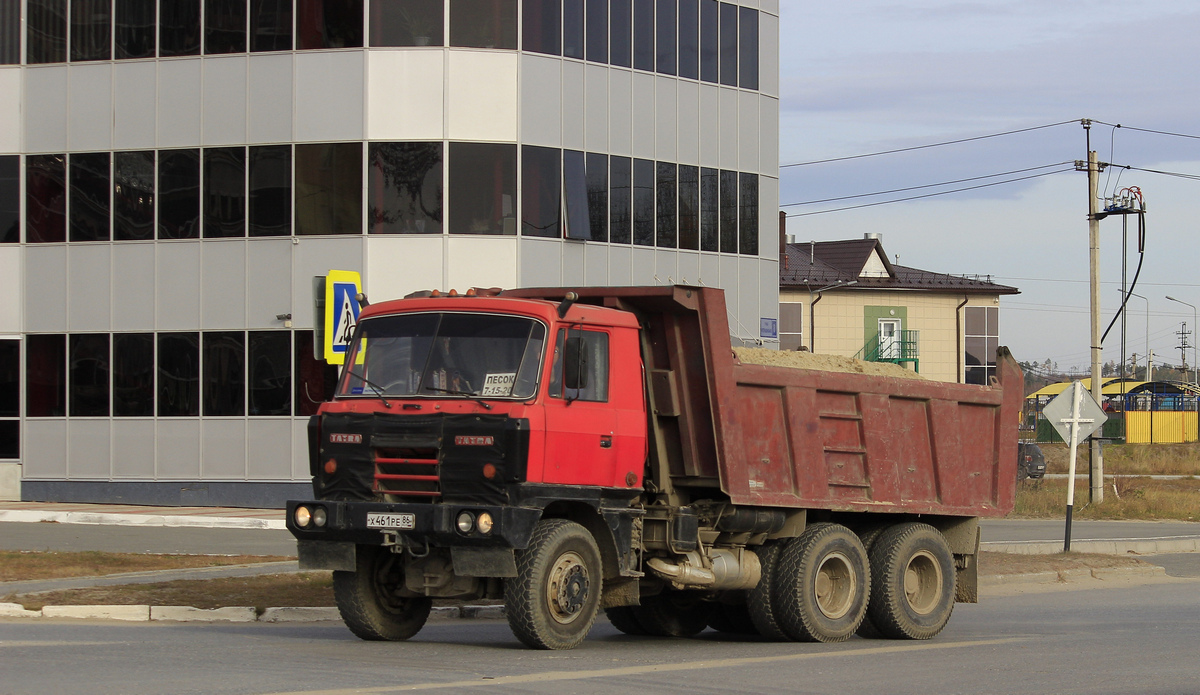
[(466, 522), (319, 517), (303, 516), (484, 523)]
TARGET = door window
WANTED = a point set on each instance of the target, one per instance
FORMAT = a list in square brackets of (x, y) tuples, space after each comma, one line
[(586, 377)]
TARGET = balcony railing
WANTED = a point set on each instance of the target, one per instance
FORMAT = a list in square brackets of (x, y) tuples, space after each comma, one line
[(899, 348)]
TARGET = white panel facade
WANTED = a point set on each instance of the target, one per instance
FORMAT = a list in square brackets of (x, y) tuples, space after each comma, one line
[(541, 263), (223, 284), (405, 95), (45, 109), (620, 110), (317, 257), (89, 271), (45, 448), (88, 449), (133, 448), (45, 289), (666, 122), (541, 100), (643, 115), (768, 51), (224, 121), (573, 263), (768, 136), (748, 127), (689, 268), (223, 449), (269, 449), (10, 110), (90, 90), (710, 125), (643, 266), (133, 287), (178, 286), (482, 95), (596, 111), (135, 91), (329, 96), (180, 90), (596, 264), (178, 449), (573, 108), (768, 216), (268, 282), (270, 98), (620, 266), (688, 122), (11, 289), (397, 266)]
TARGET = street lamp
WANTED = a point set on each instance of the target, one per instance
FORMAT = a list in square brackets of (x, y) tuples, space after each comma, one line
[(1195, 371)]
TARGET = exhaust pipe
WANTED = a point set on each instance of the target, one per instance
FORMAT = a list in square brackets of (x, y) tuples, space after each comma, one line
[(731, 569)]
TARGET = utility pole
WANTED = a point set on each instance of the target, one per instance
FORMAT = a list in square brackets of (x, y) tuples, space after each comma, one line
[(1093, 172)]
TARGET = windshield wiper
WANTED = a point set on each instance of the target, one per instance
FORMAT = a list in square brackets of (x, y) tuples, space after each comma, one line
[(455, 392), (372, 384)]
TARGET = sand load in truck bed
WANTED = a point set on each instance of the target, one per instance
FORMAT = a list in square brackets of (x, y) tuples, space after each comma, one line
[(823, 363)]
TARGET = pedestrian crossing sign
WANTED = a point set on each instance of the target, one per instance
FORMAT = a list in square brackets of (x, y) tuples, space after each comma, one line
[(341, 313)]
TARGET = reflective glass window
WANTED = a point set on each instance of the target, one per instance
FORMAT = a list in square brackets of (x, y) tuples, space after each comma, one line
[(709, 210), (620, 200), (729, 211), (748, 208), (541, 191), (10, 32), (329, 24), (315, 379), (135, 26), (573, 28), (748, 48), (179, 28), (133, 374), (224, 373), (710, 40), (597, 31), (179, 194), (45, 375), (270, 373), (665, 44), (483, 188), (133, 195), (593, 352), (89, 196), (10, 378), (643, 34), (10, 439), (404, 190), (89, 375), (10, 199), (620, 32), (45, 198), (666, 199), (271, 190), (46, 35), (541, 26), (597, 195), (483, 23), (575, 196), (407, 22), (729, 44), (224, 26), (689, 207), (643, 202), (91, 29), (270, 25), (689, 39), (178, 374), (329, 188), (225, 192)]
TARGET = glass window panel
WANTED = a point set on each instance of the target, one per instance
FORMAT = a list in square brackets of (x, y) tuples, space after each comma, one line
[(976, 352), (271, 190), (709, 210), (91, 29), (643, 202), (225, 192), (404, 190), (89, 196), (270, 25), (666, 200), (10, 199), (748, 225), (133, 195), (224, 26), (178, 374), (483, 24), (643, 34), (597, 195), (270, 373), (620, 32), (993, 320), (976, 320), (407, 22), (791, 316), (45, 198), (575, 189), (135, 21), (179, 28), (89, 375), (541, 26), (483, 188), (666, 24), (689, 39), (329, 23), (729, 215), (46, 375), (224, 373), (10, 439), (594, 346), (729, 44), (315, 379), (178, 194), (620, 200), (993, 343), (748, 48), (597, 31), (46, 38), (541, 191), (133, 374), (976, 375), (710, 40), (10, 32), (689, 207), (573, 28), (329, 188), (10, 378)]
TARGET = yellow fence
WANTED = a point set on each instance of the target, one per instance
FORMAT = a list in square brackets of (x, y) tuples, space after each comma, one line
[(1159, 427)]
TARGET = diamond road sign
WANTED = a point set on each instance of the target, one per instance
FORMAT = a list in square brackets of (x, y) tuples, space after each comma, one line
[(1058, 412)]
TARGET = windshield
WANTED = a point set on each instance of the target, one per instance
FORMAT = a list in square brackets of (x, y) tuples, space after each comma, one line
[(436, 354)]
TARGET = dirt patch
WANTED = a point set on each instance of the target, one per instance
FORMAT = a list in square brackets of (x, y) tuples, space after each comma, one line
[(822, 363), (264, 591), (34, 565), (991, 563)]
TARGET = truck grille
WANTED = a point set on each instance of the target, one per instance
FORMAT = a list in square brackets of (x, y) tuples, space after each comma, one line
[(407, 472)]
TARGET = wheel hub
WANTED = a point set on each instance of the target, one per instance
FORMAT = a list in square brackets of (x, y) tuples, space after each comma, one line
[(923, 582), (835, 585), (569, 586)]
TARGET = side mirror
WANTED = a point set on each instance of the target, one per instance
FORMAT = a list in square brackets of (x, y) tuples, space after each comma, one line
[(575, 364)]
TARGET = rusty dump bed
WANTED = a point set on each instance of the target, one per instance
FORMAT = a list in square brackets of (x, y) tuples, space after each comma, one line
[(780, 436)]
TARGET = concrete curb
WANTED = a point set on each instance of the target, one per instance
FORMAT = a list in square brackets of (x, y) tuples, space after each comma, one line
[(1103, 546), (135, 613), (161, 520), (253, 569), (1072, 575), (229, 614)]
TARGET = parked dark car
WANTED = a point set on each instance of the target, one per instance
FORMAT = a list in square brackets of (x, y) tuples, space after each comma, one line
[(1031, 462)]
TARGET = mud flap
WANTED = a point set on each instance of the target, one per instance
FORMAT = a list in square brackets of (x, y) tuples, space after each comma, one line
[(484, 562), (966, 587), (326, 555)]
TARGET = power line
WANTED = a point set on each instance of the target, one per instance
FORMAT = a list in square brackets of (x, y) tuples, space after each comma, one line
[(922, 147), (1147, 130), (928, 185)]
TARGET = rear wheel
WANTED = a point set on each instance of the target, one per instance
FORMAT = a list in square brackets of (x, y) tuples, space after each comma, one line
[(822, 584), (732, 619), (868, 535), (625, 619), (758, 600), (912, 595), (368, 599), (554, 599), (673, 614)]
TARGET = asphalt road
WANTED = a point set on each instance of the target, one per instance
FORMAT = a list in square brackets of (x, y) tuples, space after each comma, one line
[(145, 539), (1133, 639), (1052, 529)]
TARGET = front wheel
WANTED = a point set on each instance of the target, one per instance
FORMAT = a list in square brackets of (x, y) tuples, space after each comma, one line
[(368, 598), (554, 599)]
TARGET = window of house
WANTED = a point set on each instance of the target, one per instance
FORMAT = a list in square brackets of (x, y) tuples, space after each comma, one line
[(689, 207), (541, 26), (45, 198), (575, 196), (10, 199), (643, 202), (179, 194), (135, 22), (748, 208), (483, 23), (270, 373), (729, 211), (270, 25), (483, 188), (408, 23), (666, 194), (791, 325), (224, 26), (591, 347), (329, 188), (133, 374), (572, 31), (89, 375), (270, 190), (133, 195), (224, 192), (89, 196), (45, 375), (665, 38), (10, 32), (329, 24), (179, 28), (620, 28), (91, 29), (541, 191), (178, 374), (597, 195), (620, 200), (10, 399), (315, 379), (981, 339), (709, 210), (689, 39), (643, 34), (404, 188), (597, 31), (748, 48), (224, 373), (46, 37), (729, 44), (710, 40)]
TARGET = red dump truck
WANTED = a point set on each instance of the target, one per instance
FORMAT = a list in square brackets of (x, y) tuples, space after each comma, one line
[(578, 450)]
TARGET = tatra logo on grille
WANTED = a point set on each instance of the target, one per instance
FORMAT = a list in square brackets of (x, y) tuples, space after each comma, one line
[(337, 438), (469, 440)]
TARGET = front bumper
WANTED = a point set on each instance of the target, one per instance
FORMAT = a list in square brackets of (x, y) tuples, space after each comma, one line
[(434, 524)]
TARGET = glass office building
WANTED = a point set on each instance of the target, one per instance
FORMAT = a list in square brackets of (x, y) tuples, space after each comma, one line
[(173, 173)]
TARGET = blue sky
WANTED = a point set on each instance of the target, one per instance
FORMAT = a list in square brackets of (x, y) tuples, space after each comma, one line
[(869, 76)]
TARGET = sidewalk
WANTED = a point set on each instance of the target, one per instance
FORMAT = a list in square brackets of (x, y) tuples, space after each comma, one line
[(132, 515)]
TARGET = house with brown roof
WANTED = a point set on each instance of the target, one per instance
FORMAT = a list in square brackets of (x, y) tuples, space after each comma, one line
[(846, 298)]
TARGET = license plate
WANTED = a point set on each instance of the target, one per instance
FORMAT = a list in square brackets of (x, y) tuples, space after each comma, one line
[(397, 521)]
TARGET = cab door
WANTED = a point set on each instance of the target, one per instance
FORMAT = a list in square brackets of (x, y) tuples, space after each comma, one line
[(581, 422)]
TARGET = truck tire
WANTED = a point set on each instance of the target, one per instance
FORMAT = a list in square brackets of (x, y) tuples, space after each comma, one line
[(732, 619), (673, 614), (554, 599), (868, 535), (624, 619), (758, 599), (913, 579), (367, 601), (822, 584)]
